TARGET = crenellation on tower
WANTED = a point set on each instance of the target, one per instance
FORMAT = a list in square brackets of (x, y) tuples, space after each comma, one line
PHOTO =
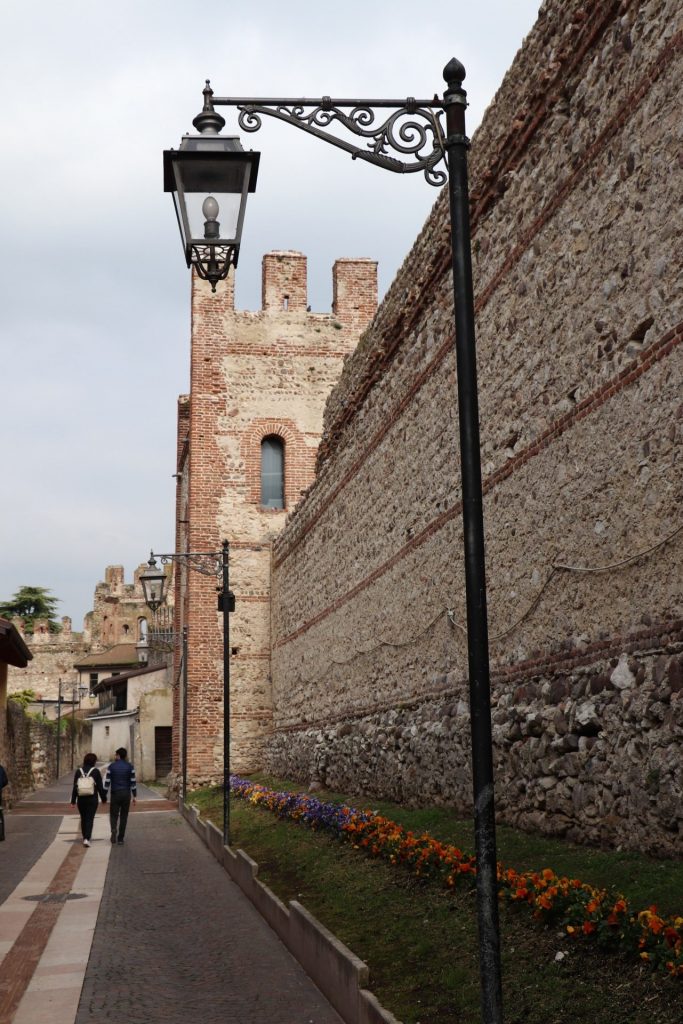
[(354, 292), (284, 282)]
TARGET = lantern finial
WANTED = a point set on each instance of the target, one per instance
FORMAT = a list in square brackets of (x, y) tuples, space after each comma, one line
[(208, 122)]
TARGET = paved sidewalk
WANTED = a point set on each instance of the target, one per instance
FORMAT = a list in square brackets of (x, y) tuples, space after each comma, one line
[(151, 931)]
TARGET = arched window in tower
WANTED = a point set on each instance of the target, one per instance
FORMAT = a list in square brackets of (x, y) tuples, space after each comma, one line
[(272, 472), (142, 629)]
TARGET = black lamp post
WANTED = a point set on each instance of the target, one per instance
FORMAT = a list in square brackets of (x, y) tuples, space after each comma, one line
[(59, 727), (415, 130), (154, 582)]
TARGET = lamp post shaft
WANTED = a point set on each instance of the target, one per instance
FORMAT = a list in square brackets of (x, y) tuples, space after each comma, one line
[(473, 529), (59, 725), (184, 714), (73, 728), (226, 693)]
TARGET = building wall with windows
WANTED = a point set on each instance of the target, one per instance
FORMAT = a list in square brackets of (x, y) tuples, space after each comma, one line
[(259, 382)]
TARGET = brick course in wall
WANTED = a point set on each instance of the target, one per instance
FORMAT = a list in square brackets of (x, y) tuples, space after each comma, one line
[(579, 304)]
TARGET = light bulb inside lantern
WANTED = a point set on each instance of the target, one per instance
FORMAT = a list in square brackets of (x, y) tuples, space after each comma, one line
[(210, 208)]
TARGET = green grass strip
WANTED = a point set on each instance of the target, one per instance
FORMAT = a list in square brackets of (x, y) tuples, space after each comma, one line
[(581, 910)]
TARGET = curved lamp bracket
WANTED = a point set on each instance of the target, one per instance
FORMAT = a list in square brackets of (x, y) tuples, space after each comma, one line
[(413, 129)]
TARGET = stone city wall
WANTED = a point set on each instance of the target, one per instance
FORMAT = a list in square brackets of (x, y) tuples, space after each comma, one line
[(32, 750), (576, 179)]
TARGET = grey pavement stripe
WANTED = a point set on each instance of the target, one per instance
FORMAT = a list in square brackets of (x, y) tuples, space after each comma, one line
[(54, 991)]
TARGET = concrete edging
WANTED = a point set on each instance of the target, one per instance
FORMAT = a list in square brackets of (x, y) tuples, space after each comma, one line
[(339, 974)]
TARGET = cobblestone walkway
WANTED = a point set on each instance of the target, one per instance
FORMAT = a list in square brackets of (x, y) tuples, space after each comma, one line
[(150, 931), (177, 942)]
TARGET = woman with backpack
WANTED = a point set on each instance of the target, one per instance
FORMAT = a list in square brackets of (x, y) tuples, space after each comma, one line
[(87, 786)]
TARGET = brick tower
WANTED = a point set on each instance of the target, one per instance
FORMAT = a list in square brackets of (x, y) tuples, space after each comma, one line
[(248, 434)]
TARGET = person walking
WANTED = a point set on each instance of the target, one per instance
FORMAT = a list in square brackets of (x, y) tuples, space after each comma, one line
[(87, 785), (120, 782)]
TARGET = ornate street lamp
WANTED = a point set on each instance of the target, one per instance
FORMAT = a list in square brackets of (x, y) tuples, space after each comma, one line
[(153, 580), (210, 177), (415, 130)]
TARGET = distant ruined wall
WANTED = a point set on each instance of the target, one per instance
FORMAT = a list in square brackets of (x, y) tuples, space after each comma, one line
[(54, 656), (577, 245), (118, 610)]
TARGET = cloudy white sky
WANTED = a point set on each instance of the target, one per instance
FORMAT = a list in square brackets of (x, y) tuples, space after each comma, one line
[(94, 293)]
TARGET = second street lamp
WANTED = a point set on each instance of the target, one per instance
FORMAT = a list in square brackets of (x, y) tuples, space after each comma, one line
[(154, 581), (415, 131)]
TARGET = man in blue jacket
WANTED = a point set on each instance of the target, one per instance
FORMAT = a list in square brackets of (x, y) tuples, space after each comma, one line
[(120, 784)]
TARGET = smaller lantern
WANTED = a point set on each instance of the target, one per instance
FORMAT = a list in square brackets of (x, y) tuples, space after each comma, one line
[(153, 581)]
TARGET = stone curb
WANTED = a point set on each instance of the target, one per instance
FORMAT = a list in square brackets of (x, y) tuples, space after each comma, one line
[(339, 974)]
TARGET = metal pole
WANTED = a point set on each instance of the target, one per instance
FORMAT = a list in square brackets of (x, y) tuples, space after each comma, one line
[(59, 722), (473, 528), (73, 728), (225, 604), (184, 715)]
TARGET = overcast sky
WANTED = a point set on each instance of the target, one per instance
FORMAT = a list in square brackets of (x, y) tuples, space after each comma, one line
[(94, 292)]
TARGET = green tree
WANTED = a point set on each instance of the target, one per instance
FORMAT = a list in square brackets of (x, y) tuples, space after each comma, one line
[(31, 603)]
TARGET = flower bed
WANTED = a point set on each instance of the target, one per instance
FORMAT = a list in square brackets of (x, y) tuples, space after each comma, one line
[(599, 915)]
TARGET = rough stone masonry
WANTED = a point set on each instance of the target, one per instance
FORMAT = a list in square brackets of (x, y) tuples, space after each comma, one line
[(576, 224)]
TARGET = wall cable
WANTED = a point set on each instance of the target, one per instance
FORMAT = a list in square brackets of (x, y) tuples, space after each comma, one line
[(555, 569)]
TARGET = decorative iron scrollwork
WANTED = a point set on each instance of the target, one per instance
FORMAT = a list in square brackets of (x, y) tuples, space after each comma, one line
[(413, 130), (213, 262), (209, 563)]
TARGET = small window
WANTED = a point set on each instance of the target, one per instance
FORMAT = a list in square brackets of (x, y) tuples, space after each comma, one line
[(272, 472), (142, 629), (93, 680)]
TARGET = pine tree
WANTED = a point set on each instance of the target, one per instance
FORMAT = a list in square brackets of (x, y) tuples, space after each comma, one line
[(31, 603)]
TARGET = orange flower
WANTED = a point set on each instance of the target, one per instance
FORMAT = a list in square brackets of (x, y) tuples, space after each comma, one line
[(588, 927)]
